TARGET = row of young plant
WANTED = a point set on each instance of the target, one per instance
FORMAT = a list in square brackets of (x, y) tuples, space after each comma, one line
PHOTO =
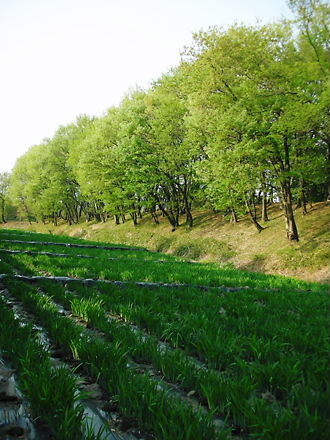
[(52, 393), (262, 358), (272, 345), (22, 234), (260, 397), (7, 243), (190, 273), (26, 235), (138, 395), (250, 342), (144, 349), (137, 270)]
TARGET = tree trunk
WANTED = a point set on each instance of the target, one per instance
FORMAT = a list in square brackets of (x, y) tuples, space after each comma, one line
[(186, 203), (169, 208), (327, 140), (264, 213), (134, 218), (302, 200), (154, 215), (54, 219), (80, 210), (303, 196), (3, 220), (233, 218), (169, 215), (271, 196), (189, 218), (27, 212), (252, 217), (290, 224), (255, 214)]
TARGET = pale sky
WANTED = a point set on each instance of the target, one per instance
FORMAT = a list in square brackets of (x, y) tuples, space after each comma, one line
[(62, 58)]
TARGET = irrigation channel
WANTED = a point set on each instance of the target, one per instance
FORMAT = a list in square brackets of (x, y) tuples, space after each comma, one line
[(110, 344)]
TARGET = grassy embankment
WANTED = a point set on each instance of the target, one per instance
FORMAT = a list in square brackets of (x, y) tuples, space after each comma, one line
[(213, 239)]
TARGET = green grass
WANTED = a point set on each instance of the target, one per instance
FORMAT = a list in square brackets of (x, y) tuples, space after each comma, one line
[(17, 234), (97, 253), (138, 396), (52, 393), (264, 350), (245, 359), (213, 239), (136, 270)]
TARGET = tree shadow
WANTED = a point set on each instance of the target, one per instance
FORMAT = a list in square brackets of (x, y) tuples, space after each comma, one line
[(257, 264)]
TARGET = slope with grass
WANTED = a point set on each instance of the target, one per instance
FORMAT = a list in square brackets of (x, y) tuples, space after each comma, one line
[(214, 239)]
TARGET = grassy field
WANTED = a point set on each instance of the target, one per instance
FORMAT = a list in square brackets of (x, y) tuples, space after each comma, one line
[(213, 239), (217, 354)]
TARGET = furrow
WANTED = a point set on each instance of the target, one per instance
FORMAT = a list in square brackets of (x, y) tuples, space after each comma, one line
[(84, 345), (76, 245), (150, 285), (53, 254), (139, 367), (98, 419)]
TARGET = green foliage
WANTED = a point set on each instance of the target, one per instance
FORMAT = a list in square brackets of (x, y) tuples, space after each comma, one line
[(256, 357), (244, 117), (4, 197)]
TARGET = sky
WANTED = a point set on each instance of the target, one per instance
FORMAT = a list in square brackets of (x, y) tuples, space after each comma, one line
[(63, 58)]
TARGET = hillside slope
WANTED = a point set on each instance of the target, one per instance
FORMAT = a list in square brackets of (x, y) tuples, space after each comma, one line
[(214, 239)]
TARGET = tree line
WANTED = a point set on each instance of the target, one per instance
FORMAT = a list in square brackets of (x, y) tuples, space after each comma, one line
[(242, 121)]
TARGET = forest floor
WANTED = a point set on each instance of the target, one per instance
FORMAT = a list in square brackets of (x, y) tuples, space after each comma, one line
[(214, 239)]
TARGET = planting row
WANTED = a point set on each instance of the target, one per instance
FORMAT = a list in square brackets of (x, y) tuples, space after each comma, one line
[(138, 395), (53, 254), (112, 251), (191, 274), (52, 393), (259, 396), (265, 385), (135, 270), (18, 234), (101, 419), (256, 358), (75, 245)]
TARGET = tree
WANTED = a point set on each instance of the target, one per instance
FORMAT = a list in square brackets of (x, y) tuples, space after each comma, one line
[(4, 187), (99, 169), (27, 182), (252, 102), (313, 23), (176, 154), (154, 143), (245, 114)]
